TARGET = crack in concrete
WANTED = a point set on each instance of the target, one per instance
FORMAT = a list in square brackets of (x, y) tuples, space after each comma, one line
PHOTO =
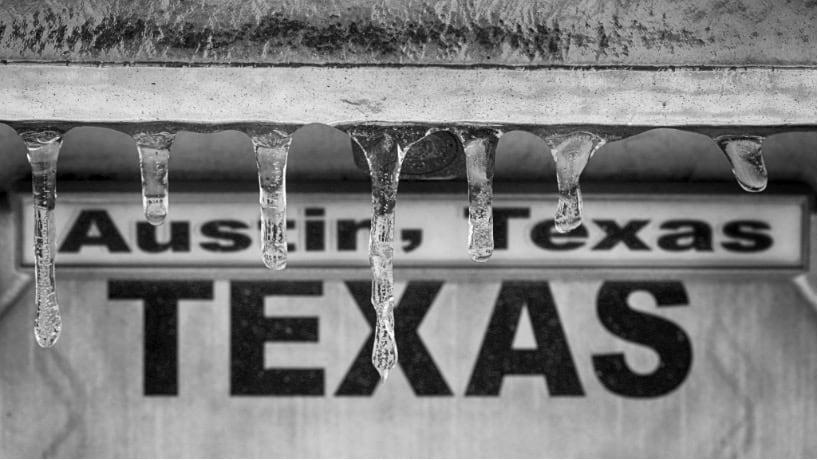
[(73, 398), (737, 440)]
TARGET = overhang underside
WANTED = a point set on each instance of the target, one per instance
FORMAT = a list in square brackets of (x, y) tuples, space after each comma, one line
[(323, 153), (660, 124)]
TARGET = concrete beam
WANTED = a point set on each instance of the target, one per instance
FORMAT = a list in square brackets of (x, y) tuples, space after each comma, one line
[(332, 95), (458, 32)]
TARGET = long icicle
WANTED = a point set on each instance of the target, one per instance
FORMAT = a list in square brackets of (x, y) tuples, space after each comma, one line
[(384, 156), (154, 153), (746, 160), (479, 148), (271, 159), (571, 153), (43, 152)]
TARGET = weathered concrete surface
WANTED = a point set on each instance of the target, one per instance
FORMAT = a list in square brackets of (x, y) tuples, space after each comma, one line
[(331, 95), (521, 32)]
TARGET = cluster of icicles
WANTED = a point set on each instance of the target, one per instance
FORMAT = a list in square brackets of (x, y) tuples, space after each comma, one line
[(385, 151)]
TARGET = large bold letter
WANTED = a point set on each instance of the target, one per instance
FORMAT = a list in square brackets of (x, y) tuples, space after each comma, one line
[(249, 329), (667, 339), (416, 362), (552, 357), (161, 300)]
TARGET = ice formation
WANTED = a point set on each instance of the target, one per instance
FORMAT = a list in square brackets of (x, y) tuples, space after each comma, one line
[(384, 157), (480, 149), (43, 152), (746, 159), (271, 158), (571, 153), (154, 153)]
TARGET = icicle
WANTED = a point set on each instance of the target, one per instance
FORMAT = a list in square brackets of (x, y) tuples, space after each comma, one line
[(271, 158), (571, 153), (384, 156), (385, 349), (479, 148), (154, 152), (746, 159), (43, 152)]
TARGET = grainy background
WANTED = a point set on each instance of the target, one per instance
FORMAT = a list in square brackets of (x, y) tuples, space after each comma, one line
[(751, 390)]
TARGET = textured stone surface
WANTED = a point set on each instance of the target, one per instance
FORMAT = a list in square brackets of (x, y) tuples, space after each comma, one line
[(520, 32), (331, 95)]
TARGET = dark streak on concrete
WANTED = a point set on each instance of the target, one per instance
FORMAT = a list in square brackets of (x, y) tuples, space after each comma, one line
[(358, 34), (128, 36)]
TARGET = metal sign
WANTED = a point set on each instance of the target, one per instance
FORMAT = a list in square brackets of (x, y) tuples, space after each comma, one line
[(331, 230), (247, 367), (218, 362)]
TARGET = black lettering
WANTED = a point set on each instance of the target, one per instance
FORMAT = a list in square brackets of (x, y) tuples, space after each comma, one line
[(290, 226), (250, 329), (667, 339), (411, 237), (545, 236), (500, 227), (179, 237), (161, 300), (348, 233), (552, 357), (315, 229), (614, 234), (80, 233), (697, 236), (231, 241), (417, 364), (750, 236)]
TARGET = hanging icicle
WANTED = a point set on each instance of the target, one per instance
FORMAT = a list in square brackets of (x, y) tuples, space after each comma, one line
[(571, 153), (746, 160), (43, 152), (154, 153), (271, 158), (479, 146), (384, 156)]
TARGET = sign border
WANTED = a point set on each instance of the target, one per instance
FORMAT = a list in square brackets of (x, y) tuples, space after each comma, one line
[(187, 192)]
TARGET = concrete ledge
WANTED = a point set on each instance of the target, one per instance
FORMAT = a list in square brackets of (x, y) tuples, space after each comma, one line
[(453, 32), (332, 95)]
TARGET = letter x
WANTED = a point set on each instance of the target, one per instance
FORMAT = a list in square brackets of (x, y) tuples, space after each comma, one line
[(614, 234), (416, 362)]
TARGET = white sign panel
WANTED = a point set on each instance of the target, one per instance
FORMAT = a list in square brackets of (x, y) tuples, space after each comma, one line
[(157, 361), (672, 231)]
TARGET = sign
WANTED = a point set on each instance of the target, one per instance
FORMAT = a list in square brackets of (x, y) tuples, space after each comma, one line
[(248, 362), (249, 367), (671, 231)]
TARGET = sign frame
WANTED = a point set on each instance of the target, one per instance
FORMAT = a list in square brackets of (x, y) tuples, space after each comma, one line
[(187, 192)]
